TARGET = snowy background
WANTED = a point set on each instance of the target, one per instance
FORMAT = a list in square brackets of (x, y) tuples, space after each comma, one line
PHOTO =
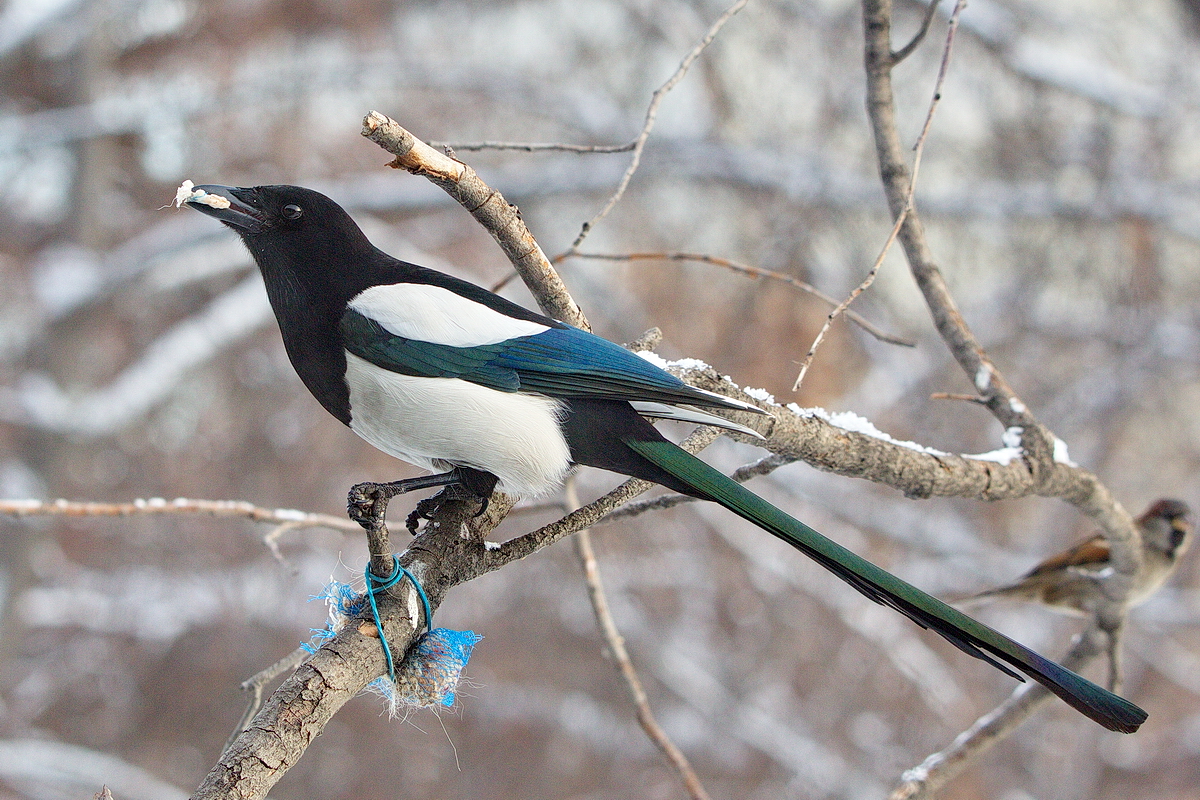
[(138, 358)]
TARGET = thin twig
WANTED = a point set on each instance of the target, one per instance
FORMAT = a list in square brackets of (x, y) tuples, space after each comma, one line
[(764, 466), (182, 505), (907, 50), (620, 655), (648, 125), (259, 681), (966, 398), (919, 149), (841, 307), (923, 781), (754, 272), (271, 540), (532, 147), (584, 517)]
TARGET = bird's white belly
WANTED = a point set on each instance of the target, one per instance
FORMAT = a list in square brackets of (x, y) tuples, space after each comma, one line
[(438, 423)]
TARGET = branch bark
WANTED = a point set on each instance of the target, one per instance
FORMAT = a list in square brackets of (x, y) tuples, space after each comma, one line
[(499, 217), (1038, 441)]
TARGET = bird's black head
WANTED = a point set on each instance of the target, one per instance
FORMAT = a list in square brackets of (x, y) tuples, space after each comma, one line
[(298, 237)]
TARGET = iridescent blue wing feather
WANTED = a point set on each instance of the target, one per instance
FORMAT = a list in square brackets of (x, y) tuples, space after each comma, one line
[(559, 362)]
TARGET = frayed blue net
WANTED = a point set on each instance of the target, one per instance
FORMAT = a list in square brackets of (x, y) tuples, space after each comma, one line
[(431, 670)]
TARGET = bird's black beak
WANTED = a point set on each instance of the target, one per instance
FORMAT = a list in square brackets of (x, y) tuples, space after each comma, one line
[(226, 203)]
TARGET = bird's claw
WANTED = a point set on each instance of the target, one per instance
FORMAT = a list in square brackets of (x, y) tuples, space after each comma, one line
[(366, 504), (425, 509)]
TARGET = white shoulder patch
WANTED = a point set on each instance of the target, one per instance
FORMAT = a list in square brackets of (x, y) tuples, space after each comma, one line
[(433, 314)]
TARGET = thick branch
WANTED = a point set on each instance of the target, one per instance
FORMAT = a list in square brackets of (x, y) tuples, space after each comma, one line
[(299, 709), (488, 206), (180, 505)]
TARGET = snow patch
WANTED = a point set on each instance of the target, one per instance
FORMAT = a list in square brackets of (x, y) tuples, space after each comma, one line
[(654, 358), (761, 395), (1061, 456), (688, 363), (1012, 436), (849, 421), (983, 377), (1011, 451)]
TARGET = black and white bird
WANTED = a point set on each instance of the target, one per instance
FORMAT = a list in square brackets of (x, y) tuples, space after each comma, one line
[(445, 375)]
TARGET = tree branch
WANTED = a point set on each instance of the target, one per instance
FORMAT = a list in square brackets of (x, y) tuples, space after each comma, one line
[(998, 396), (907, 208), (616, 647), (752, 271), (488, 206), (181, 505), (1041, 465)]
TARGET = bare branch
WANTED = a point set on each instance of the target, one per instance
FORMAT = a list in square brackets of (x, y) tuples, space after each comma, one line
[(764, 466), (616, 646), (182, 505), (907, 50), (487, 205), (966, 398), (648, 124), (533, 147), (753, 272), (1038, 443), (904, 212), (585, 516), (923, 782), (257, 682)]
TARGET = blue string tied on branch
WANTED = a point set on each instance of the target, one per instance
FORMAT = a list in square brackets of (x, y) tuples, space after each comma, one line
[(429, 674), (375, 585)]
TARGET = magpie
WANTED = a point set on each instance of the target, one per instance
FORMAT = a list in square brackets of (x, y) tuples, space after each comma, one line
[(488, 395)]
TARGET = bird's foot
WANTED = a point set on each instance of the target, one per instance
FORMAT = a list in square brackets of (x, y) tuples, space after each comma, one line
[(367, 502), (471, 485), (425, 509)]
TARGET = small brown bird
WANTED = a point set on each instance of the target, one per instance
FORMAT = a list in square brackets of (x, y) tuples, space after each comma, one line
[(1067, 581)]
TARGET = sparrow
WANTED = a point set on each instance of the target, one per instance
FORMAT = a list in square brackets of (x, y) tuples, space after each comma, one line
[(1070, 581)]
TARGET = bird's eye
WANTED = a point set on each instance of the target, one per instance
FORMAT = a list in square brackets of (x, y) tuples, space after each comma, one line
[(292, 211)]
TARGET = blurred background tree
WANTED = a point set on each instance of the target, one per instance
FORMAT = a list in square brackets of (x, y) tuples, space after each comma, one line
[(138, 359)]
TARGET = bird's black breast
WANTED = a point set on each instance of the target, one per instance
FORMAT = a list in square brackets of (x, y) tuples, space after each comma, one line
[(309, 328)]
